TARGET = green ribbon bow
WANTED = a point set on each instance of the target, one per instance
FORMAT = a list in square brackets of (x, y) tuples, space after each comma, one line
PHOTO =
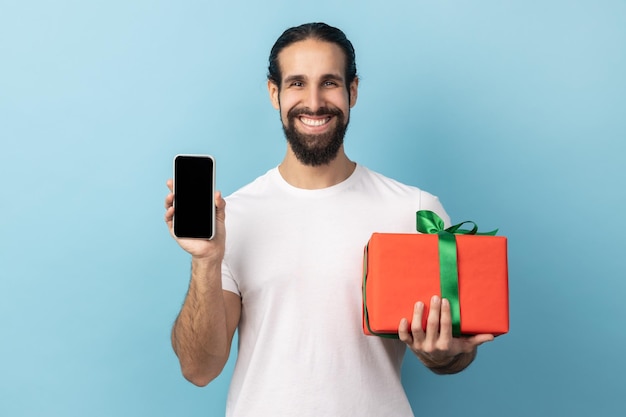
[(430, 223)]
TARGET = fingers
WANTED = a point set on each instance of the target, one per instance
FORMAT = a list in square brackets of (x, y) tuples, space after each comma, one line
[(220, 207), (416, 324), (438, 331), (169, 204), (432, 323), (220, 203), (169, 201), (435, 344), (169, 215), (415, 333), (445, 322), (479, 339), (403, 332)]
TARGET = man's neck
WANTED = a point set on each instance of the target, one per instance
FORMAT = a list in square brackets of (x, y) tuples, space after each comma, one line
[(316, 177)]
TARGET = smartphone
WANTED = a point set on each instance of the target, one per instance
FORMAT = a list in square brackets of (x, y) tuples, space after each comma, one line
[(194, 195)]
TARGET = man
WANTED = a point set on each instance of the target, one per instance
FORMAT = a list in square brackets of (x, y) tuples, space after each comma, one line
[(288, 277)]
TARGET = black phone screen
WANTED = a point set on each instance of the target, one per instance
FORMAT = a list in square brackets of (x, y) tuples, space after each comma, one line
[(194, 206)]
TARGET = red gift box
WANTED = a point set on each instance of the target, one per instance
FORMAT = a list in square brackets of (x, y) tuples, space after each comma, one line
[(401, 269)]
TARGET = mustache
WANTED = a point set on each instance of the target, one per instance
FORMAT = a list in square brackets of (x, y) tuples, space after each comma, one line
[(322, 111)]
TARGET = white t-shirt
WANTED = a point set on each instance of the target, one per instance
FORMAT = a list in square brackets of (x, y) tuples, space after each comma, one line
[(295, 257)]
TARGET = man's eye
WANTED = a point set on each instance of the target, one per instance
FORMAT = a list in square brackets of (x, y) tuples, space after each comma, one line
[(297, 84), (330, 84)]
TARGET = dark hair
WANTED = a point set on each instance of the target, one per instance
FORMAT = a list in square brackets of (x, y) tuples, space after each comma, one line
[(319, 31)]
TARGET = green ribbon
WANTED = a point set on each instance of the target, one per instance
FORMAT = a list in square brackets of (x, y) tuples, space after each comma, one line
[(429, 222)]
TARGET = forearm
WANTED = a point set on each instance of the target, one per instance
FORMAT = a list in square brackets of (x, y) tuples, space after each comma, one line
[(200, 333), (451, 365)]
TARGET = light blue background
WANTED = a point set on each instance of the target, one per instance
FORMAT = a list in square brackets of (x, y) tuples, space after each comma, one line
[(513, 112)]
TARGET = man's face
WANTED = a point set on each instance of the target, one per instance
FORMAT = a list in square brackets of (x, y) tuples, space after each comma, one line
[(313, 99)]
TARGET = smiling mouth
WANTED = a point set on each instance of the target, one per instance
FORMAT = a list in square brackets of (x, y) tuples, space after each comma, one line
[(314, 122)]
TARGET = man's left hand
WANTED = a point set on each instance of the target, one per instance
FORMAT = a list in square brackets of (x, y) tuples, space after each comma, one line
[(436, 346)]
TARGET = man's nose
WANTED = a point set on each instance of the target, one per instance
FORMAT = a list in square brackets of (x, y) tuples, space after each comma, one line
[(314, 99)]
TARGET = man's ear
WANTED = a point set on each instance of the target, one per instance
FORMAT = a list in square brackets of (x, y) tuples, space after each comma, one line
[(354, 91), (273, 91)]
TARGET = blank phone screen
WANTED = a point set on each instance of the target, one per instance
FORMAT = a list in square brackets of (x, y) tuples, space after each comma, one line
[(194, 207)]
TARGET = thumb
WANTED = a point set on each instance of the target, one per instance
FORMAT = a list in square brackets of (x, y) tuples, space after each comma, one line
[(220, 206)]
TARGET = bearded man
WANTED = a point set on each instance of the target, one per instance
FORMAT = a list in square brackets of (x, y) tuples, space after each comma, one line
[(288, 277)]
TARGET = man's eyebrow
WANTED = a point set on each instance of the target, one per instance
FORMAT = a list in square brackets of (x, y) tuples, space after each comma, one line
[(334, 77), (295, 77), (300, 77)]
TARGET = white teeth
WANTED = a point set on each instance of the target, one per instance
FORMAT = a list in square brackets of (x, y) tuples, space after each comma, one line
[(314, 122)]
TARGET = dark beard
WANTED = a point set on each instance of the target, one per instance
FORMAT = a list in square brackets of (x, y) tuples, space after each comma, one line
[(315, 150)]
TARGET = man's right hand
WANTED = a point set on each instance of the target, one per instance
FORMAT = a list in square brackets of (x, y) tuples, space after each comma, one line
[(209, 250)]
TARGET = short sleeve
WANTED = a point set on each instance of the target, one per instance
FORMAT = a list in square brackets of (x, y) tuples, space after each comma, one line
[(228, 281)]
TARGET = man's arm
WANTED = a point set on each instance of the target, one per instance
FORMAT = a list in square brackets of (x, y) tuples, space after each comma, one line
[(203, 332), (435, 347)]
